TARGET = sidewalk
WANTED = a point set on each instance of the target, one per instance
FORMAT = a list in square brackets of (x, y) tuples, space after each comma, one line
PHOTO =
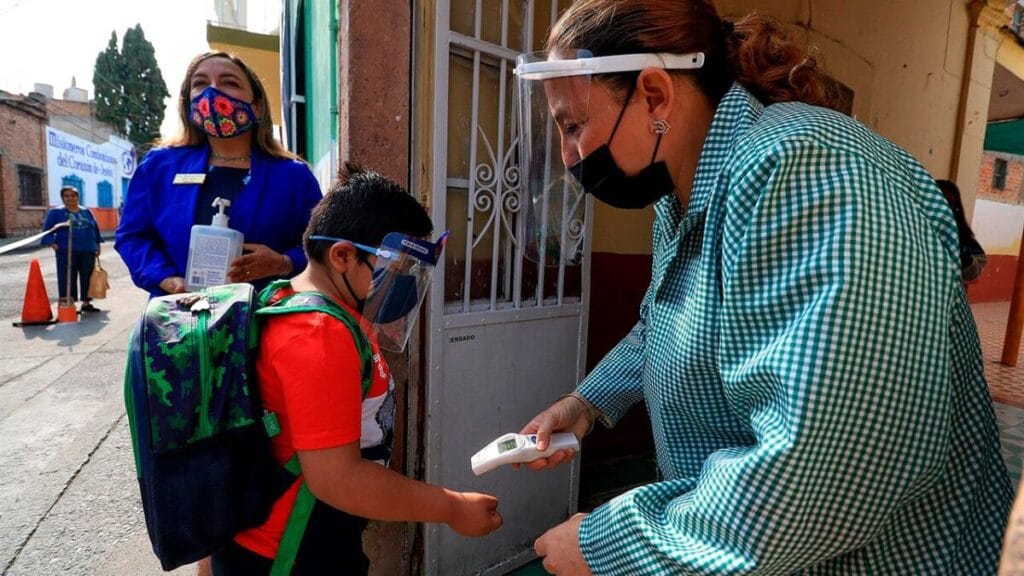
[(68, 497)]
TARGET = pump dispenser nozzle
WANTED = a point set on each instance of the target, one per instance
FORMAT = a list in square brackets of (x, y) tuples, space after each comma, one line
[(220, 219)]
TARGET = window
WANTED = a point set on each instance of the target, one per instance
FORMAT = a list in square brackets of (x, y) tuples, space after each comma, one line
[(30, 187), (293, 85), (999, 174), (104, 194)]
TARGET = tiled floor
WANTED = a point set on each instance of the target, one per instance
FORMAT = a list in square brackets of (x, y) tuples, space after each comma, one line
[(1005, 383)]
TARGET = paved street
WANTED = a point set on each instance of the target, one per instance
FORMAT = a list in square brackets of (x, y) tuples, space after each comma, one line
[(68, 496)]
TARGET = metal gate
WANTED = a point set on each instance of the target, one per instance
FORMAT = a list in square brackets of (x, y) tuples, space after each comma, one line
[(506, 336)]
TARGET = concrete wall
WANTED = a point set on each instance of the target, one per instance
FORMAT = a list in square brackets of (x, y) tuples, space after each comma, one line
[(21, 143), (997, 226), (374, 87), (906, 85), (375, 78), (906, 79)]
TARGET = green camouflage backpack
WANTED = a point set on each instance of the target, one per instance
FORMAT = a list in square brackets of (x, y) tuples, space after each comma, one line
[(200, 436)]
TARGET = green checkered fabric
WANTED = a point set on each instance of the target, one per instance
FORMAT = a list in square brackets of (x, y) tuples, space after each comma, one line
[(811, 367)]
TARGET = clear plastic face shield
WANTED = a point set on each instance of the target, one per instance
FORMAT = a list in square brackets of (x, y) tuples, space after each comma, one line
[(400, 281), (554, 106), (401, 278)]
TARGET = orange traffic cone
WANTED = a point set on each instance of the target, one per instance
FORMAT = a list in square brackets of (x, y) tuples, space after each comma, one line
[(36, 310)]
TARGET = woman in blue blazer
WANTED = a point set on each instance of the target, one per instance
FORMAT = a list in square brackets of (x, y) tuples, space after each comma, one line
[(225, 148)]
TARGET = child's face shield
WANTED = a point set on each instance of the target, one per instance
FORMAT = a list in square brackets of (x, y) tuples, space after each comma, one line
[(554, 106), (401, 278)]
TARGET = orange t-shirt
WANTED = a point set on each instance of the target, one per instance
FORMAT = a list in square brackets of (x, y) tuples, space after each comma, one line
[(310, 376)]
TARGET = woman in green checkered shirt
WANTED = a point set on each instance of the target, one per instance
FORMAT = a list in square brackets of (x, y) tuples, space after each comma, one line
[(805, 348)]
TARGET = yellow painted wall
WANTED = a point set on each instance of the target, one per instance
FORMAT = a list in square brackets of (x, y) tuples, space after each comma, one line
[(267, 66), (904, 61)]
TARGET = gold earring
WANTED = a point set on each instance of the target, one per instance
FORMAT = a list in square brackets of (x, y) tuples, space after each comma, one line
[(660, 126)]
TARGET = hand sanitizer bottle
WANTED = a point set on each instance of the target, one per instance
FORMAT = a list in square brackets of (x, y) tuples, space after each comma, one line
[(211, 249)]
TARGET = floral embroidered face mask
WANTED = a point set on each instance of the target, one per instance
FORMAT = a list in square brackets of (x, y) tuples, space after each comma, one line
[(220, 115)]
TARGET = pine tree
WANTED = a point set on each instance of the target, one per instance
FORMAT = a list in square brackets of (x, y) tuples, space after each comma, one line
[(144, 89), (107, 83), (130, 89)]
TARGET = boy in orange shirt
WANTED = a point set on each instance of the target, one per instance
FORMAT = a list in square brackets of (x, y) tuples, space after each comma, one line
[(367, 254)]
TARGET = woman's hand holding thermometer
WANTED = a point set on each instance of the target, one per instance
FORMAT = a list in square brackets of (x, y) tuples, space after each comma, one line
[(570, 413), (517, 448)]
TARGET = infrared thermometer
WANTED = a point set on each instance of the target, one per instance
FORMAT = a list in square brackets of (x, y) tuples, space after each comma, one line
[(515, 448)]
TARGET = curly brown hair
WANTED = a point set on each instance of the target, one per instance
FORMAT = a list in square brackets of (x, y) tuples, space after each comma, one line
[(757, 51)]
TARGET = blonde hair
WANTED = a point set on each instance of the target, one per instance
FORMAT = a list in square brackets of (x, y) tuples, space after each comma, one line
[(757, 51), (190, 135)]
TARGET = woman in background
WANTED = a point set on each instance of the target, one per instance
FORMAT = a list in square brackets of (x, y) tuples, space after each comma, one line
[(85, 240)]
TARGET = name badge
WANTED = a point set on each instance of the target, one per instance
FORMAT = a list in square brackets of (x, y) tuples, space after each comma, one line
[(189, 178)]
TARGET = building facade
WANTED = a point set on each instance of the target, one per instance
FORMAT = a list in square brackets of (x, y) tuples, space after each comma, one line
[(998, 221), (46, 143), (23, 196)]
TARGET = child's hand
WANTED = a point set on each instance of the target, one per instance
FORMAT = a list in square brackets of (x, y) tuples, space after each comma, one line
[(475, 514)]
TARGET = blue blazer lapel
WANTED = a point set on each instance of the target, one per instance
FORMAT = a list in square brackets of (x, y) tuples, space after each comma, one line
[(248, 205), (193, 161)]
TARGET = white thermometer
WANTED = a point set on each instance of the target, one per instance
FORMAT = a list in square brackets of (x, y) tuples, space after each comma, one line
[(515, 448)]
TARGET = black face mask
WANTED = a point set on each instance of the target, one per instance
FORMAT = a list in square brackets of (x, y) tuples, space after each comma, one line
[(602, 178), (360, 302)]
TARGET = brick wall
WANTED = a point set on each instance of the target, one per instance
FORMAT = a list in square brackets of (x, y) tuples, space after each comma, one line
[(997, 281), (21, 143), (57, 107), (1013, 191)]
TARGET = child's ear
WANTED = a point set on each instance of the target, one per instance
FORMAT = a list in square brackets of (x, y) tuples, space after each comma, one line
[(342, 256)]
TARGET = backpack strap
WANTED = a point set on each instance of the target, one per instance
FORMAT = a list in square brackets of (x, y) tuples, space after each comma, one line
[(288, 548), (272, 304)]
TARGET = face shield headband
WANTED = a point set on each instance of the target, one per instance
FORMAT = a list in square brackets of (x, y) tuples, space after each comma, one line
[(554, 93), (401, 278)]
